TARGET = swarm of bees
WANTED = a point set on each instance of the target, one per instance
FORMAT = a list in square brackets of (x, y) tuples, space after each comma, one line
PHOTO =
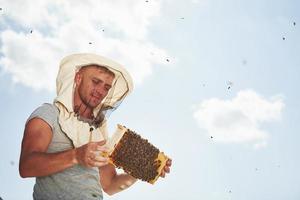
[(137, 157)]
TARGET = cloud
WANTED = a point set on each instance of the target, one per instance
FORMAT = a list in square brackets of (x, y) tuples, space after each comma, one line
[(238, 120), (200, 2), (31, 60), (115, 29)]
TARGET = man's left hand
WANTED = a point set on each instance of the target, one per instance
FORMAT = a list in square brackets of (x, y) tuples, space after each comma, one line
[(166, 169)]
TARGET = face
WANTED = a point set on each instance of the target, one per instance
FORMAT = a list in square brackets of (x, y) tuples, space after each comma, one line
[(92, 86)]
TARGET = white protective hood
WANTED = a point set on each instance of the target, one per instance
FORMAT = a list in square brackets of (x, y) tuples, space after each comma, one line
[(79, 131)]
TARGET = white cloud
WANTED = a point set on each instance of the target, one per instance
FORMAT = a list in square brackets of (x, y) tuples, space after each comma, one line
[(31, 59), (200, 2), (115, 28), (238, 120)]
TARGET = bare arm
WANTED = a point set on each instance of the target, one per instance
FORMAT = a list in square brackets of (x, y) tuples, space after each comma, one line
[(36, 162), (112, 182)]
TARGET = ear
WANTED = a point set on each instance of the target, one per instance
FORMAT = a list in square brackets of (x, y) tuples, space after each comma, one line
[(78, 78)]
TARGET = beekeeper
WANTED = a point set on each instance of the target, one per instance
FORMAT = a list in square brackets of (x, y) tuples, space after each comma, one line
[(63, 142)]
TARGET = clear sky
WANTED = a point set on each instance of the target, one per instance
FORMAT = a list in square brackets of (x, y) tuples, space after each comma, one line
[(215, 88)]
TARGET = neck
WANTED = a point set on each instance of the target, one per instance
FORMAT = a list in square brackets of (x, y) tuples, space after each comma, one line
[(82, 108), (83, 111)]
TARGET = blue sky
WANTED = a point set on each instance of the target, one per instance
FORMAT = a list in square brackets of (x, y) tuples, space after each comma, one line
[(215, 88)]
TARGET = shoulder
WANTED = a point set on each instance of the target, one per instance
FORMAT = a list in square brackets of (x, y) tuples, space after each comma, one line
[(47, 107), (47, 112)]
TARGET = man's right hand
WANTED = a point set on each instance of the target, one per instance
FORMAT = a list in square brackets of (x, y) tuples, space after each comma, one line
[(91, 154)]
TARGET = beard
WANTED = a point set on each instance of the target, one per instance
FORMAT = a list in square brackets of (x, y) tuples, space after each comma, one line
[(91, 101), (89, 98)]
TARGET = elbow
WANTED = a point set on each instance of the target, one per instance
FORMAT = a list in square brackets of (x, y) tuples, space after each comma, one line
[(24, 176), (23, 172), (22, 168), (108, 191), (111, 191)]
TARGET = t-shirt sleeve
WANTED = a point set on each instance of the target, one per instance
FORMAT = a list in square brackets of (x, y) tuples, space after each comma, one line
[(47, 112)]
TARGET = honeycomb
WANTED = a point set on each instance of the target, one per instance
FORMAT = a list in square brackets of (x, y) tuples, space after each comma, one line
[(136, 156)]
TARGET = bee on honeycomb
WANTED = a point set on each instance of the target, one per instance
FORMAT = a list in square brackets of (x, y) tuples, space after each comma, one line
[(135, 155)]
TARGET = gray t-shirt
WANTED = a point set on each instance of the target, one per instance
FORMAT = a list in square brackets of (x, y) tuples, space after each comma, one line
[(75, 183)]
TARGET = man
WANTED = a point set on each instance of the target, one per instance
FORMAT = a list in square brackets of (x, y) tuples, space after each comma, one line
[(64, 142)]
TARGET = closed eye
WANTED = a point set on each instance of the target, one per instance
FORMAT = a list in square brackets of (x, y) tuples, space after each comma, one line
[(96, 81), (107, 87)]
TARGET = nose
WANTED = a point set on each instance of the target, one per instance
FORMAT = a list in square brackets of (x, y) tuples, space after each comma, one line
[(100, 91)]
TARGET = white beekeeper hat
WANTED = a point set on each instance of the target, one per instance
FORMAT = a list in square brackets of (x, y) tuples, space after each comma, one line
[(74, 128)]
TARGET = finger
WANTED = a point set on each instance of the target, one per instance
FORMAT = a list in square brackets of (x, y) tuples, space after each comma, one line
[(167, 169), (99, 155), (102, 148), (169, 162), (101, 143), (162, 174), (91, 155), (95, 145), (100, 159), (89, 162), (96, 162), (99, 164)]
